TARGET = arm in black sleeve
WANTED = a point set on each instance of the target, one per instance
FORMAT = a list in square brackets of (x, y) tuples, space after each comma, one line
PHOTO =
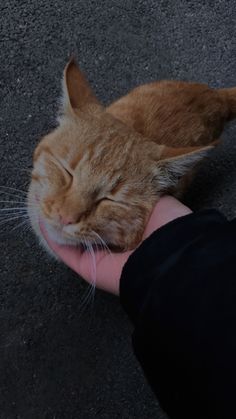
[(179, 289)]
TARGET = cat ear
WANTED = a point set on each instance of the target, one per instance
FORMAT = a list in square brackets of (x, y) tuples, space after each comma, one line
[(77, 92), (176, 162)]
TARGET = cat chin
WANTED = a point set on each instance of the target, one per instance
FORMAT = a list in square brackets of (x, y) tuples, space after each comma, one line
[(53, 235), (42, 241), (56, 236)]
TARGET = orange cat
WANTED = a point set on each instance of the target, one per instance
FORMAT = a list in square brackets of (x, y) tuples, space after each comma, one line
[(98, 175)]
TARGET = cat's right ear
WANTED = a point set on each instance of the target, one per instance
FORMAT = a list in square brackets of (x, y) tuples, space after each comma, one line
[(77, 93), (177, 162)]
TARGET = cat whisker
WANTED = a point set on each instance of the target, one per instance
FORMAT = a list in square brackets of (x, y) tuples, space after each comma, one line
[(88, 294), (96, 245), (91, 288), (93, 266), (7, 219), (12, 201), (105, 247), (7, 194), (93, 270), (20, 209), (23, 204), (9, 211), (7, 215), (103, 243), (4, 193), (17, 202), (25, 222), (17, 193), (10, 214), (13, 189)]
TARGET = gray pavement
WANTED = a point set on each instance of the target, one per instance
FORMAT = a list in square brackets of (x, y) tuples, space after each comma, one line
[(61, 358)]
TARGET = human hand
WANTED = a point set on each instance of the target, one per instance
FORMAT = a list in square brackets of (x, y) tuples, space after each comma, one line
[(104, 268)]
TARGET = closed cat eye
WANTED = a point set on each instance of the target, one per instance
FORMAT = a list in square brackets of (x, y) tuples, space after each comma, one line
[(105, 198), (63, 165), (68, 171)]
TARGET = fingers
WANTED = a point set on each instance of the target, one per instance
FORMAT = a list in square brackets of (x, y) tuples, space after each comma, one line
[(104, 269)]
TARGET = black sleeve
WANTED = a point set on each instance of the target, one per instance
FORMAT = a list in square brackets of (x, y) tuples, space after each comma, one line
[(179, 289)]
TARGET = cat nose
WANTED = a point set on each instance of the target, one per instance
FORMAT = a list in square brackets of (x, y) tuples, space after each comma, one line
[(67, 219)]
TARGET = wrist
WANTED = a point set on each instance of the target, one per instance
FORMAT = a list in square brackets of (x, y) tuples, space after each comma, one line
[(166, 210)]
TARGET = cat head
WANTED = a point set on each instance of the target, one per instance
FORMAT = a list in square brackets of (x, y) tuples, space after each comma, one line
[(94, 179)]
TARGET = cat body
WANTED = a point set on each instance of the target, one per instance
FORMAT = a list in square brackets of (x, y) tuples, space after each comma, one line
[(176, 113), (97, 176)]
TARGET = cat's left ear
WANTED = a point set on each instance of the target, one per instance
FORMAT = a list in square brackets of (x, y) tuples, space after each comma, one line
[(177, 162), (77, 93)]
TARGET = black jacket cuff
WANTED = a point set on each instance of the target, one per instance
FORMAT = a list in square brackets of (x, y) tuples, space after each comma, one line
[(159, 252)]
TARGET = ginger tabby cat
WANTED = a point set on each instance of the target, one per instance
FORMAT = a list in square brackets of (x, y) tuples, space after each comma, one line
[(98, 175)]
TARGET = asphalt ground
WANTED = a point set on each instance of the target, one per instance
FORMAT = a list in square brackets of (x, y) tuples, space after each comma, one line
[(62, 356)]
